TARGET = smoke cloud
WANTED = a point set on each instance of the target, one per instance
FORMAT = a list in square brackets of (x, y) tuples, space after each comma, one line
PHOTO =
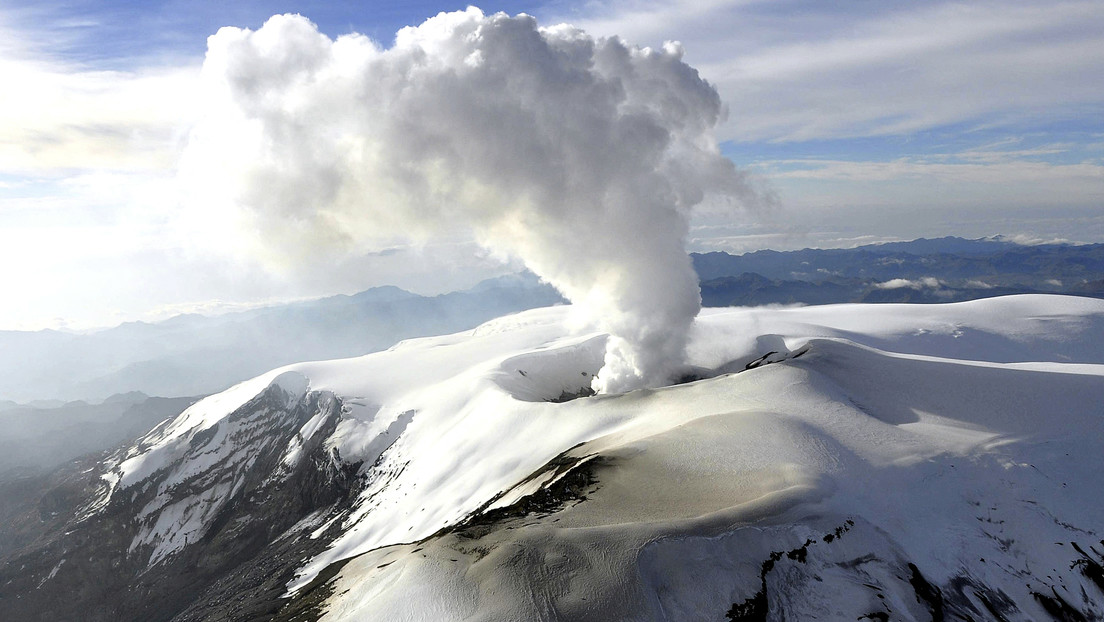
[(581, 157)]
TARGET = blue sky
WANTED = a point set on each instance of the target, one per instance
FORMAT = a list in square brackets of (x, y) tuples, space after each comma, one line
[(868, 120)]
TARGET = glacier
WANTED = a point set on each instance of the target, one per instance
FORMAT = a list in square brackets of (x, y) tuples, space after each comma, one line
[(843, 462)]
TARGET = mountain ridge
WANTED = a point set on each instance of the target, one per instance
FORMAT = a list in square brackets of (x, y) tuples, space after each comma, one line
[(194, 354), (843, 460)]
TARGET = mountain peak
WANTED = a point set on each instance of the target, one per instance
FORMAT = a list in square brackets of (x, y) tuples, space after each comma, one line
[(817, 452)]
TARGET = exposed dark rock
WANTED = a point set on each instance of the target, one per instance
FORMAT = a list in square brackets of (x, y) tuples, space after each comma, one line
[(240, 566), (1058, 608), (567, 396), (571, 480), (754, 609), (926, 593), (1090, 567)]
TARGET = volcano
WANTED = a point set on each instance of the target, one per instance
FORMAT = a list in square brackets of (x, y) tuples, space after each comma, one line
[(888, 462)]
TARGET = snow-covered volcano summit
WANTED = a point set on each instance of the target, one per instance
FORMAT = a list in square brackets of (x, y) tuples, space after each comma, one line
[(839, 462)]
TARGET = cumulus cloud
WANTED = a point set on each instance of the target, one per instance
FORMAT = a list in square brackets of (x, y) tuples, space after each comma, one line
[(581, 157)]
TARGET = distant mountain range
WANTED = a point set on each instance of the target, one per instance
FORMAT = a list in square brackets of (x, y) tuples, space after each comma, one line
[(41, 437), (941, 270), (196, 355), (38, 442)]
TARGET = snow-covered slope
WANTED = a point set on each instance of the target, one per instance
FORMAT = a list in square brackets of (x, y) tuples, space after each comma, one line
[(843, 462)]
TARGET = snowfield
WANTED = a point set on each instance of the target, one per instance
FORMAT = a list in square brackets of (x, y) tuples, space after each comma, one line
[(839, 462)]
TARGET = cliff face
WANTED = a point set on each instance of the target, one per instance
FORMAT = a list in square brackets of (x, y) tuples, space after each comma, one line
[(198, 534)]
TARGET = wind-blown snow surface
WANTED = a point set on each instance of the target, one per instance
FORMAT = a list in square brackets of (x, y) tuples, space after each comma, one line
[(963, 439)]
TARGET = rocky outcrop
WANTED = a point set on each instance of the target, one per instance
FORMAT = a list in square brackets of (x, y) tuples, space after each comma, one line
[(222, 535)]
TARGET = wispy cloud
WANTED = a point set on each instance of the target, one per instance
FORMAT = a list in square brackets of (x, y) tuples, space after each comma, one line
[(59, 116), (798, 71), (1005, 155), (1075, 184)]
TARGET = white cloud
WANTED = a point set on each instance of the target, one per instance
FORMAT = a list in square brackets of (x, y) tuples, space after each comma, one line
[(1028, 240), (800, 70), (902, 168), (88, 217), (582, 158), (917, 284), (977, 187), (804, 70), (56, 117)]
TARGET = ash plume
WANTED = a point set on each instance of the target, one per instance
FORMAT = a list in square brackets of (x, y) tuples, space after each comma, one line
[(581, 157)]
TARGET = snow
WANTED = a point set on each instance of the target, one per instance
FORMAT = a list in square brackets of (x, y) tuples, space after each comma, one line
[(955, 457), (548, 373), (163, 446), (307, 432), (923, 420), (52, 574), (204, 455)]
